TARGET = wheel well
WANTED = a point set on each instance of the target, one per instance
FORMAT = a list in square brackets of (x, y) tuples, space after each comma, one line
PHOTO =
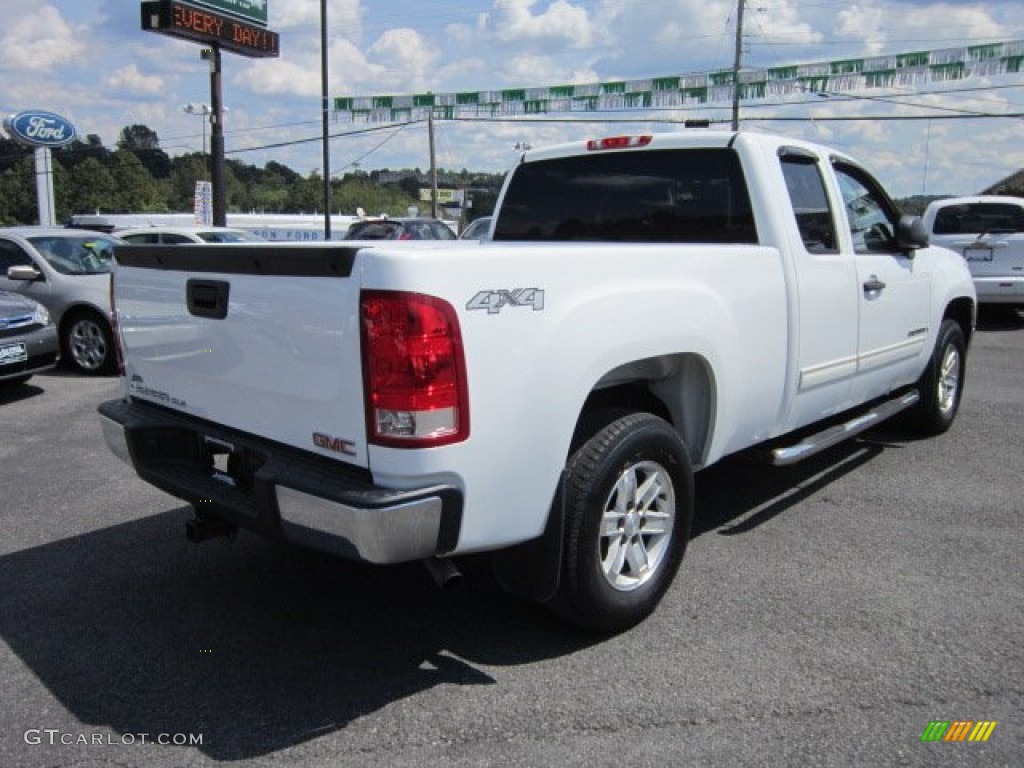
[(78, 310), (677, 388), (962, 312)]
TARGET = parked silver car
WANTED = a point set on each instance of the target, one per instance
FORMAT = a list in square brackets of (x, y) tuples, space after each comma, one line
[(68, 272), (28, 338)]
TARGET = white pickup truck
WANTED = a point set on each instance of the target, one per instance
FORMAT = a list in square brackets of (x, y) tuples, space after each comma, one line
[(643, 306)]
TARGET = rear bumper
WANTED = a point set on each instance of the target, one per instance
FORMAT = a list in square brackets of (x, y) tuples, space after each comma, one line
[(281, 492), (1000, 290)]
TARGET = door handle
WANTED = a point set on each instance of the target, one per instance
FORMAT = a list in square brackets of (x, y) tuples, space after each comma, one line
[(207, 298), (873, 285)]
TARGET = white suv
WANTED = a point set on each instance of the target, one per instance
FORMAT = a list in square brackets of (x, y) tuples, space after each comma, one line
[(988, 231)]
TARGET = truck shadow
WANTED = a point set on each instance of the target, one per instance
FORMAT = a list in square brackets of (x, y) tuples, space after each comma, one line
[(14, 393), (999, 318), (259, 647), (252, 644), (739, 493)]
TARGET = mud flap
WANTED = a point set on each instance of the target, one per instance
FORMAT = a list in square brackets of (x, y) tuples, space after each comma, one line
[(532, 570)]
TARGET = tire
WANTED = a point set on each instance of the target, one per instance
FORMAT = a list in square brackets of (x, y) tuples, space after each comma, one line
[(87, 343), (628, 507), (941, 385)]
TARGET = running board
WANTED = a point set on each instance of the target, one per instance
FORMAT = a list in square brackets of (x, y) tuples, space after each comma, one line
[(816, 443)]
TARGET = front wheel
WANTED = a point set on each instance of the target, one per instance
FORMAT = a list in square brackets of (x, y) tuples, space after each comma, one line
[(628, 507), (88, 343), (941, 384)]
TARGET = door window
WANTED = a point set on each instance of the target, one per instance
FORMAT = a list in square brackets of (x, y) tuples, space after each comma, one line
[(871, 216)]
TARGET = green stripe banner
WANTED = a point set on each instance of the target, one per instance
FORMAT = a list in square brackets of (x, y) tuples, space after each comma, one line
[(895, 70)]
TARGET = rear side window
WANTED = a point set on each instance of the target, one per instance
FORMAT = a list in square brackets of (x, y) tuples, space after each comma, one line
[(978, 218), (653, 196)]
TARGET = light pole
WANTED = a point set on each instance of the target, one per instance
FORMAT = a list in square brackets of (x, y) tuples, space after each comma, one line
[(204, 111), (220, 208)]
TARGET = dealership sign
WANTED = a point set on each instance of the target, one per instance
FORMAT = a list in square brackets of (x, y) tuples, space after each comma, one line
[(250, 10), (40, 129), (191, 22)]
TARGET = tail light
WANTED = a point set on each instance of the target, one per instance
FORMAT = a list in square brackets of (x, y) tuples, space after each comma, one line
[(414, 370), (115, 331)]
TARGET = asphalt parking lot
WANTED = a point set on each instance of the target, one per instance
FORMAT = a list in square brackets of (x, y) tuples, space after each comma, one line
[(825, 615)]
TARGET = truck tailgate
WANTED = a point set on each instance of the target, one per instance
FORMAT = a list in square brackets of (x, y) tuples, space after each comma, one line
[(214, 331)]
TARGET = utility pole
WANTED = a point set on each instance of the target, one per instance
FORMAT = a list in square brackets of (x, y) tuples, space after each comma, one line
[(433, 165), (326, 134), (737, 64)]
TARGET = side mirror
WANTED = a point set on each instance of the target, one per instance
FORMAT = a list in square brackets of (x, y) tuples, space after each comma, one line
[(23, 272), (911, 233)]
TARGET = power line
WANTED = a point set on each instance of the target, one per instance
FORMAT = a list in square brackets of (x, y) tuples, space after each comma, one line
[(309, 139)]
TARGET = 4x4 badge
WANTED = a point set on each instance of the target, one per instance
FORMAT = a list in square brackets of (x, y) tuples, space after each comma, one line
[(494, 300)]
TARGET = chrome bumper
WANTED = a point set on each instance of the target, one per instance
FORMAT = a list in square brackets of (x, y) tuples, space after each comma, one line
[(284, 493)]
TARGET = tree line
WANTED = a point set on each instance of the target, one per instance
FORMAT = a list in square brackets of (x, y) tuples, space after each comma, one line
[(139, 177)]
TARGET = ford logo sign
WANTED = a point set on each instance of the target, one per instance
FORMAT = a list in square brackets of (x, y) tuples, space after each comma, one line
[(40, 129)]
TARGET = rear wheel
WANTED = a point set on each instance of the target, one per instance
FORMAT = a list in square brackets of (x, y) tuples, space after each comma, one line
[(941, 384), (628, 506), (88, 343)]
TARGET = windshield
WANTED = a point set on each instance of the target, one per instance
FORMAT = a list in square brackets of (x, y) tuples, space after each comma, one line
[(77, 254)]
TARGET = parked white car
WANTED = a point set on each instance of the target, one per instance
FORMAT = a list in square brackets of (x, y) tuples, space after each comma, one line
[(179, 235), (988, 231)]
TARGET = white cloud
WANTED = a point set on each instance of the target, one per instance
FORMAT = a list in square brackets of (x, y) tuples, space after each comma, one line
[(539, 69), (39, 40), (344, 18), (562, 23), (129, 80), (404, 58), (874, 23)]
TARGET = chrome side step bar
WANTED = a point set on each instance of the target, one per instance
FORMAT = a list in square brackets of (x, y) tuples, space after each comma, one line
[(816, 443)]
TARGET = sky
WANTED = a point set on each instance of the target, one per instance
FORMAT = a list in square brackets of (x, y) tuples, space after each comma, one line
[(90, 61)]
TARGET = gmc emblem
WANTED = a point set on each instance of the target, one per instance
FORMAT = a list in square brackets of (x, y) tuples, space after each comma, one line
[(336, 444)]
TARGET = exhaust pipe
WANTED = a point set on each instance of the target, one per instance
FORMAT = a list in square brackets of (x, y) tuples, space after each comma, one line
[(444, 572), (200, 529)]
